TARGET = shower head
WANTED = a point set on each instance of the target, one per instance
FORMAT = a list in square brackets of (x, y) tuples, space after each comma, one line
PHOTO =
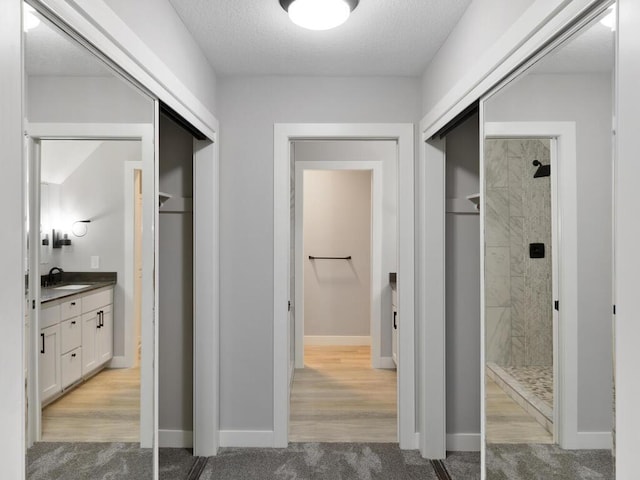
[(543, 170)]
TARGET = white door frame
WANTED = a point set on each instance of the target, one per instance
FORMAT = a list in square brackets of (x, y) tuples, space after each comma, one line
[(565, 267), (130, 340), (430, 298), (148, 386), (377, 280), (206, 292), (284, 134)]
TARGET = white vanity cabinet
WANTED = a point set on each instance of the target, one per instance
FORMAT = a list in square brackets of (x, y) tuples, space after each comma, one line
[(76, 340), (70, 342), (97, 330), (49, 363)]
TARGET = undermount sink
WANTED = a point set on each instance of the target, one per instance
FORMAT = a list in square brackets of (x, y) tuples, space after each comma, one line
[(71, 287)]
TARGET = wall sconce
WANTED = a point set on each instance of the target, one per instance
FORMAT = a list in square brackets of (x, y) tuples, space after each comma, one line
[(79, 228), (59, 242)]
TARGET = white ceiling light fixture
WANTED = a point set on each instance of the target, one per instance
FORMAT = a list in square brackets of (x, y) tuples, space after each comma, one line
[(319, 14), (30, 20), (609, 20)]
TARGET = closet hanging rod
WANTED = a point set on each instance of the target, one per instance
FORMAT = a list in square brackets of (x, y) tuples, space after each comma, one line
[(311, 257)]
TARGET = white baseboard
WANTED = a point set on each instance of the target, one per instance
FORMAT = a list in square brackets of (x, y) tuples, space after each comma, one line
[(463, 442), (593, 441), (246, 438), (341, 340), (175, 439), (119, 361), (385, 362)]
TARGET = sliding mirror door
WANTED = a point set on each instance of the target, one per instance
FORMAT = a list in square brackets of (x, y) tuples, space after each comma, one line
[(90, 332), (547, 223)]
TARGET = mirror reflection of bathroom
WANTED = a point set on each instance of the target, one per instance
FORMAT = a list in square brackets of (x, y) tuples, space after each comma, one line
[(547, 206), (90, 366)]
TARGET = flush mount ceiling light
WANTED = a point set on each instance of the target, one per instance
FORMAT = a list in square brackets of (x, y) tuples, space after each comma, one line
[(609, 20), (30, 20), (319, 14)]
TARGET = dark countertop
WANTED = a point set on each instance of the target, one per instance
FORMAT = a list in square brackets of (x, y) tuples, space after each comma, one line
[(49, 294), (92, 280)]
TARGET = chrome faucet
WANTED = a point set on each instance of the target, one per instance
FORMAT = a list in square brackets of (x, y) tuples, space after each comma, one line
[(51, 275)]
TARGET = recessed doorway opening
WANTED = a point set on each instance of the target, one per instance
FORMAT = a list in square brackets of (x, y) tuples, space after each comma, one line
[(342, 312), (289, 335)]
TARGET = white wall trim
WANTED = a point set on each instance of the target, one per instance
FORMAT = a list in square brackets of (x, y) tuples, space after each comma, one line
[(341, 340), (431, 299), (540, 22), (627, 238), (377, 277), (387, 363), (565, 233), (175, 439), (403, 134), (464, 442), (119, 361), (128, 282), (594, 441), (206, 297), (12, 264), (247, 438)]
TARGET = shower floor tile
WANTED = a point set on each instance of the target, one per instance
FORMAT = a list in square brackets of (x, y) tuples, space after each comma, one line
[(537, 380)]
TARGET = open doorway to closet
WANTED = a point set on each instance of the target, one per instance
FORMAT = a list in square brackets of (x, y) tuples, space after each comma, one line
[(344, 248)]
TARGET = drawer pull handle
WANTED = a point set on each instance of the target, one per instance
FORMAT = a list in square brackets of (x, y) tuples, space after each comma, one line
[(73, 354), (395, 324), (73, 304), (73, 322), (42, 350)]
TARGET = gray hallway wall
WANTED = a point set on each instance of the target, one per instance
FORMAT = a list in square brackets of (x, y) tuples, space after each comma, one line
[(248, 108)]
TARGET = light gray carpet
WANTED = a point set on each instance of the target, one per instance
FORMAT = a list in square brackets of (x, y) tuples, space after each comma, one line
[(547, 462), (322, 461), (300, 461), (463, 465), (88, 461), (175, 463)]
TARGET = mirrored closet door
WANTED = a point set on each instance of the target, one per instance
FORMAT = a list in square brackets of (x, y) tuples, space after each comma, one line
[(547, 237), (90, 332)]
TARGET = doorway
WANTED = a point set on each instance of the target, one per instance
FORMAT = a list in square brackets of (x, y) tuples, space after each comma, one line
[(520, 287), (72, 200), (556, 335), (338, 386), (285, 135)]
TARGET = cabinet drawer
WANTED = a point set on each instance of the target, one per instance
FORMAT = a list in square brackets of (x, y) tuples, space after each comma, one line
[(70, 334), (97, 300), (70, 309), (49, 316), (71, 367)]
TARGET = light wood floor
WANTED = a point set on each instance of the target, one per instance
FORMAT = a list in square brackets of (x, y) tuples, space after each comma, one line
[(508, 422), (106, 408), (338, 397)]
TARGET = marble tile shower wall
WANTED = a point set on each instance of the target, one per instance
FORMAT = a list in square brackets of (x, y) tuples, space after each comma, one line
[(518, 289)]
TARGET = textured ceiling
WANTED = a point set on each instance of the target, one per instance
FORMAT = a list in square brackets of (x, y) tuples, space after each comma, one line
[(593, 51), (382, 37)]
